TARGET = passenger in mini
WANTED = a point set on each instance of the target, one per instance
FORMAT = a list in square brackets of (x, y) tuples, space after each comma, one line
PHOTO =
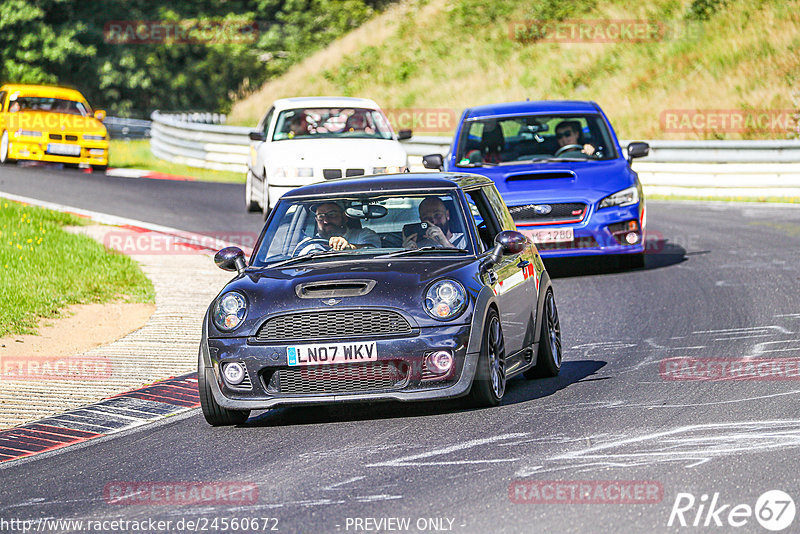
[(332, 225), (434, 212), (569, 133)]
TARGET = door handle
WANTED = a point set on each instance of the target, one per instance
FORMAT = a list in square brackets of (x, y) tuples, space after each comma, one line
[(523, 263)]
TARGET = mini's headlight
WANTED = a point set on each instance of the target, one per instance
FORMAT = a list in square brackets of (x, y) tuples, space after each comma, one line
[(445, 299), (229, 311), (94, 137), (626, 197), (233, 373)]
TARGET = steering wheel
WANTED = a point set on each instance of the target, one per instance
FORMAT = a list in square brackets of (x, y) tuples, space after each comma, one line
[(307, 246), (567, 148)]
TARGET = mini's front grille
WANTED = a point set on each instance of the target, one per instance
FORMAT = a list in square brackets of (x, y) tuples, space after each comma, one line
[(354, 172), (344, 378), (330, 174), (572, 211), (577, 243), (333, 324)]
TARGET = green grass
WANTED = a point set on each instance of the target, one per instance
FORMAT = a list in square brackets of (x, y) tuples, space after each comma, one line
[(136, 155), (43, 269)]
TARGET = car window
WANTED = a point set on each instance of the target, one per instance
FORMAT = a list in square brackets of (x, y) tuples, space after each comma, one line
[(320, 123), (2, 100), (499, 208), (267, 120), (54, 105), (507, 140), (484, 216), (376, 223)]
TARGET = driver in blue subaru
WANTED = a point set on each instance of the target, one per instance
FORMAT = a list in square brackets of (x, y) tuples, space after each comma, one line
[(569, 133), (332, 225)]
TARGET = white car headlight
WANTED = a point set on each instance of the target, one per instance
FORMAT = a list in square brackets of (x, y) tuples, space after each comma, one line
[(626, 197), (27, 133), (445, 300), (94, 137), (294, 172), (391, 169), (229, 311)]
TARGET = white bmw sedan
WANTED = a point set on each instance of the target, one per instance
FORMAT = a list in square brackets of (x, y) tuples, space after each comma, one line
[(305, 140)]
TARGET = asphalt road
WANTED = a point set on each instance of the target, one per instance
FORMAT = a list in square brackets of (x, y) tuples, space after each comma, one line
[(721, 282)]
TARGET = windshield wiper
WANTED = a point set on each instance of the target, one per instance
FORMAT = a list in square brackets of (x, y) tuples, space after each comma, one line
[(310, 256), (413, 251), (478, 164)]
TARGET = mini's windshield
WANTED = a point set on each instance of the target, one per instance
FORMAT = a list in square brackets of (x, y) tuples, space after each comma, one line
[(54, 105), (540, 138), (316, 123), (371, 225)]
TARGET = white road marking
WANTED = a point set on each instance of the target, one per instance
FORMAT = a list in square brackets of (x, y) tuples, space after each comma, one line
[(409, 461), (342, 483), (734, 331)]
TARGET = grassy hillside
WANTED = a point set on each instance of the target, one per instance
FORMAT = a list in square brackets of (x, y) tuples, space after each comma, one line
[(450, 54)]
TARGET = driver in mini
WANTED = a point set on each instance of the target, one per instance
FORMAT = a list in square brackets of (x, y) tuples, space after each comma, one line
[(331, 225), (569, 133)]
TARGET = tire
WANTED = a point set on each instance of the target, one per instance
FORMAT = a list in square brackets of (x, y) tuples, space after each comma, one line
[(548, 359), (215, 414), (489, 384), (250, 204), (4, 149), (99, 168)]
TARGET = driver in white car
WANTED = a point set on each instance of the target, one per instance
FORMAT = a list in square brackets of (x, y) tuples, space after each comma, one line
[(331, 225), (569, 133)]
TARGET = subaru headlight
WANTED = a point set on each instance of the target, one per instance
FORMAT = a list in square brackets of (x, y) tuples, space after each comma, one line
[(229, 311), (445, 300), (94, 137), (27, 133), (626, 197)]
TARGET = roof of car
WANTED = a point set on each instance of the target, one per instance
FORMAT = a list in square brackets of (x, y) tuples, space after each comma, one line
[(533, 106), (324, 102), (389, 182), (47, 91)]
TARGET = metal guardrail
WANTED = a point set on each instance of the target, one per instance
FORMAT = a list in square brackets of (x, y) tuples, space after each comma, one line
[(202, 140)]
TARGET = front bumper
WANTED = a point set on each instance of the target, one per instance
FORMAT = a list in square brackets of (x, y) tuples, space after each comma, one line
[(35, 149), (592, 236), (263, 361)]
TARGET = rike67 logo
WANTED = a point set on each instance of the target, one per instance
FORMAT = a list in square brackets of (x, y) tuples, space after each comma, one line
[(774, 510)]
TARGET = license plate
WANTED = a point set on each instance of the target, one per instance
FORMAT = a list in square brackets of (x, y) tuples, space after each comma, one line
[(551, 235), (62, 149), (329, 353)]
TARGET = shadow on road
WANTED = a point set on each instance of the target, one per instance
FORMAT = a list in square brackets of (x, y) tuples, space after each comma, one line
[(518, 390), (660, 253)]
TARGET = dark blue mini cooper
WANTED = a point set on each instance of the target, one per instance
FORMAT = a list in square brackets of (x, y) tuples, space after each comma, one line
[(401, 287)]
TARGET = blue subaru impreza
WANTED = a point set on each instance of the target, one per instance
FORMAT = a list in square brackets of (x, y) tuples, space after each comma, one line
[(562, 173)]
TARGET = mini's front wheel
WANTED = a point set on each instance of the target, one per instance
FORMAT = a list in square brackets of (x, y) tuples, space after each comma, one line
[(548, 359), (489, 384), (215, 414)]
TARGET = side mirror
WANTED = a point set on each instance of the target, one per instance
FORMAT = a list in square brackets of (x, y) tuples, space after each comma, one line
[(402, 135), (433, 161), (100, 114), (257, 136), (638, 150), (230, 259), (511, 241)]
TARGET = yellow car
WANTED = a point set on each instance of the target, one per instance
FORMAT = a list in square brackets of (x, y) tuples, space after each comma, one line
[(55, 124)]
